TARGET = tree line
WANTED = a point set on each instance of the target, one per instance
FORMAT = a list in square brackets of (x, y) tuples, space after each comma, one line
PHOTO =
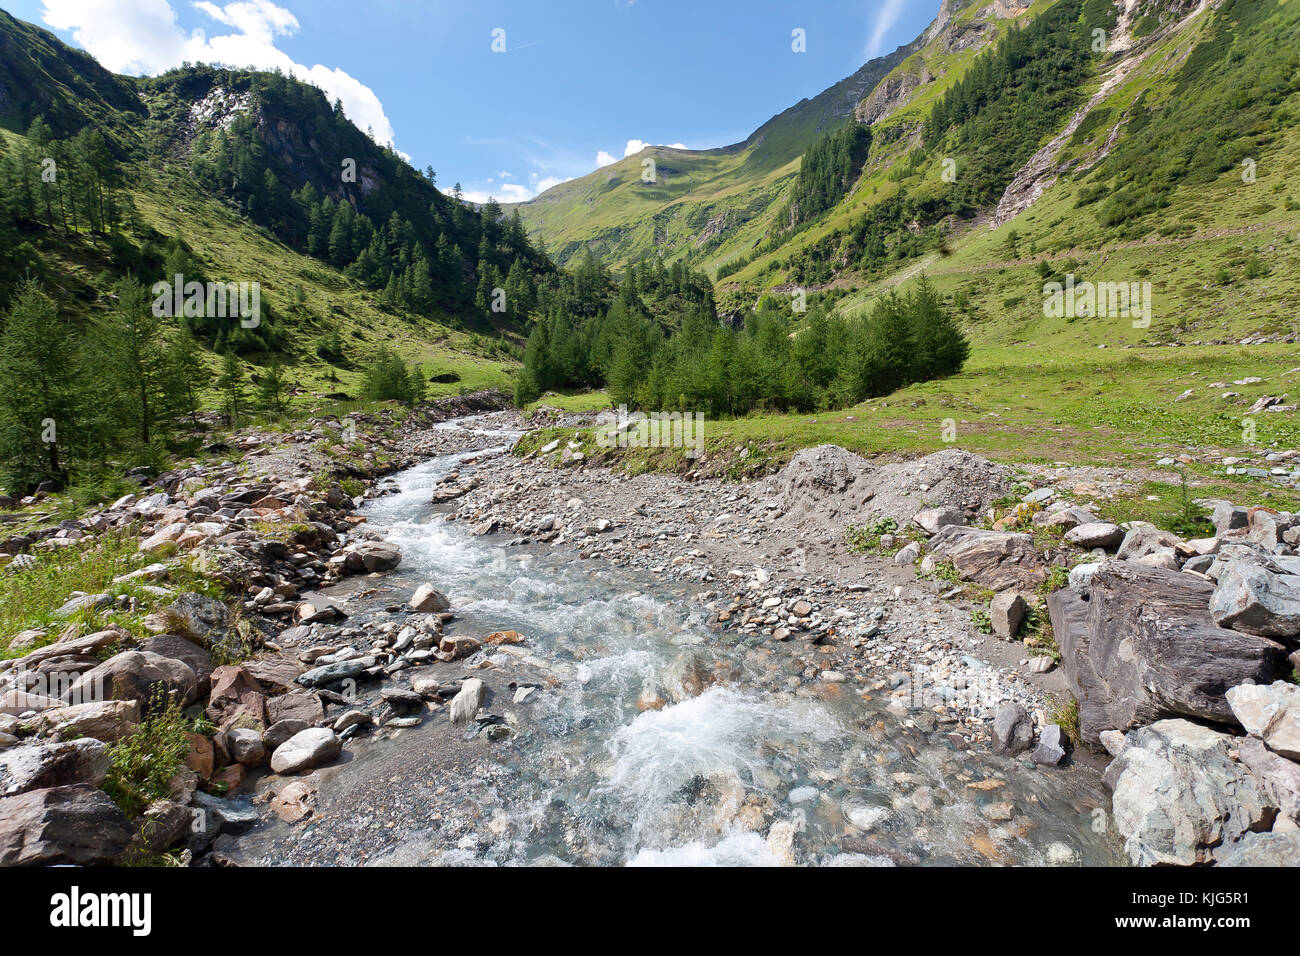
[(777, 361), (380, 221)]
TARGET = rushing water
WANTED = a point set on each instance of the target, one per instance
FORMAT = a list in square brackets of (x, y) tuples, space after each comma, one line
[(620, 757)]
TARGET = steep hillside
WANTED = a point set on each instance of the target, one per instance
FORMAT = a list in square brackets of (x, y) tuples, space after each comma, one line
[(712, 207), (701, 203), (42, 77), (328, 272)]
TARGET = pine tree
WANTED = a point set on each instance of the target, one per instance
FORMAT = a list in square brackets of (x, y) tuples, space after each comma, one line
[(132, 372), (231, 383), (41, 389), (271, 390)]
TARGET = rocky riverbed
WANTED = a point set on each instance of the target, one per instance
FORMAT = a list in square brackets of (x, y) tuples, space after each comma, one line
[(503, 659)]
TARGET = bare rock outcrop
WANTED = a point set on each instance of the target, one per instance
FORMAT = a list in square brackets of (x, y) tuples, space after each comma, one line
[(1142, 646)]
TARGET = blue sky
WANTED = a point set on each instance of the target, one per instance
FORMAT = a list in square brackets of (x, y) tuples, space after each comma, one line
[(579, 83)]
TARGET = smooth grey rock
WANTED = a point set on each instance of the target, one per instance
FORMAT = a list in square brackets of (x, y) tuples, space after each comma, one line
[(1081, 576), (1178, 796), (1144, 539), (1095, 534), (352, 718), (1013, 729), (333, 673), (87, 602), (1064, 519), (466, 703), (908, 554), (282, 730), (1052, 746), (373, 557), (428, 598), (1144, 647), (1253, 596), (1007, 612), (246, 747), (931, 520), (305, 750), (1271, 713)]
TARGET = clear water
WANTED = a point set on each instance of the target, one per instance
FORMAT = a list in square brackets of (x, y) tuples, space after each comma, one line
[(619, 761)]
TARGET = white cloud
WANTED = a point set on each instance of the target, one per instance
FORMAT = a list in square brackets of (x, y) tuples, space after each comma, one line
[(604, 159), (142, 36), (515, 192), (635, 146), (885, 20)]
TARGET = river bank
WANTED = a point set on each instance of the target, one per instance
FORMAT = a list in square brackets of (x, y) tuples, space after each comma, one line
[(498, 656)]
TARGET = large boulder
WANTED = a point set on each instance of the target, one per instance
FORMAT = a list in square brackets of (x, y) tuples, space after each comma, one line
[(200, 617), (1258, 596), (75, 825), (931, 520), (106, 720), (1264, 849), (1279, 777), (41, 766), (1095, 534), (1145, 539), (429, 598), (1271, 713), (235, 694), (1013, 729), (1142, 646), (305, 750), (372, 557), (994, 559), (1179, 797), (181, 649), (141, 676)]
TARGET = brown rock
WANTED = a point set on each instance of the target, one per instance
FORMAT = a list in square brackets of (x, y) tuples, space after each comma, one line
[(235, 692), (295, 801), (202, 756)]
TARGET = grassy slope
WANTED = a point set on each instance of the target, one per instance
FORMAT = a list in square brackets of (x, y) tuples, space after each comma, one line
[(1041, 390), (229, 245), (623, 218)]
